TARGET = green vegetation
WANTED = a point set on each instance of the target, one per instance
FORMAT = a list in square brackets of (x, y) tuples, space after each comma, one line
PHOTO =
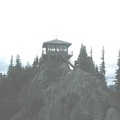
[(117, 86), (102, 67), (87, 64)]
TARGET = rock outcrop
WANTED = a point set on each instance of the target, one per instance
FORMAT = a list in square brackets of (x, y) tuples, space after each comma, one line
[(65, 94), (112, 114)]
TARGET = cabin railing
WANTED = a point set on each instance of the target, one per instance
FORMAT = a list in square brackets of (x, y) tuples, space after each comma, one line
[(70, 52), (44, 52)]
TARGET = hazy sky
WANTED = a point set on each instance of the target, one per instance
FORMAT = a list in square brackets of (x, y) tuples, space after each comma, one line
[(26, 24)]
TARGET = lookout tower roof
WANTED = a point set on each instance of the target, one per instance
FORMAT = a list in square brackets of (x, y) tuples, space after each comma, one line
[(56, 42)]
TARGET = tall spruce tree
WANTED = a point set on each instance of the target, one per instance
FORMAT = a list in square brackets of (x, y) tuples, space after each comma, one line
[(97, 72), (10, 68), (18, 66), (91, 65), (86, 62), (118, 78), (35, 66), (102, 67), (83, 58), (27, 72), (18, 74)]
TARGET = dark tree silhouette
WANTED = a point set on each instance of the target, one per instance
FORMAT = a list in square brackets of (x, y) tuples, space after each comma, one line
[(97, 72), (82, 58), (91, 65), (86, 62), (10, 68), (102, 67), (118, 78)]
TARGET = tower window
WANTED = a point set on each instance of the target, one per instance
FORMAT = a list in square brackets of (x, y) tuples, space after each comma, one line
[(53, 47), (65, 48), (61, 47), (49, 47), (57, 48)]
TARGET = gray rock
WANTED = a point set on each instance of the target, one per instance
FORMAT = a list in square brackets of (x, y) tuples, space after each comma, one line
[(69, 95), (112, 114)]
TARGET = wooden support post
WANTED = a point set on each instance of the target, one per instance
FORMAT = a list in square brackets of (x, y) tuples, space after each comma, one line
[(60, 59), (56, 61)]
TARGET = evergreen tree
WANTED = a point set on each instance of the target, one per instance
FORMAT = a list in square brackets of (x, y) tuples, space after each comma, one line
[(10, 68), (91, 52), (27, 66), (86, 62), (27, 72), (35, 62), (18, 66), (118, 78), (40, 64), (18, 74), (1, 76), (97, 72), (102, 67), (35, 66), (91, 65), (83, 58)]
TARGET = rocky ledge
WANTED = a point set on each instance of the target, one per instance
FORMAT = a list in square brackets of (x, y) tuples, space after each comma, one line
[(64, 94)]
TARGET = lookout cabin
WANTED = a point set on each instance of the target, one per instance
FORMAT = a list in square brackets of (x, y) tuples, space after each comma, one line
[(55, 53)]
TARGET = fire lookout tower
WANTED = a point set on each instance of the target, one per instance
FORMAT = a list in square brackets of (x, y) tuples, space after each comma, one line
[(55, 53)]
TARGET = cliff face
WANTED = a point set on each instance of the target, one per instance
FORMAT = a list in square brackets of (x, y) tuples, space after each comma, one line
[(63, 94)]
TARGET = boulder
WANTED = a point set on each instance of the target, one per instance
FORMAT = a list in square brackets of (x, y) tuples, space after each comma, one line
[(112, 114)]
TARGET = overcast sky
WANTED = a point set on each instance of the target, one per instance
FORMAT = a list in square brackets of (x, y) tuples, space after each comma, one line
[(26, 24)]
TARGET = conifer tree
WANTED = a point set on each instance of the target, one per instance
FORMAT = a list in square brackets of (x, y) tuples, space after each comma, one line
[(18, 65), (1, 76), (27, 72), (91, 52), (10, 68), (97, 72), (86, 62), (35, 63), (102, 67), (82, 58), (118, 78), (18, 74), (40, 64), (91, 65), (35, 66)]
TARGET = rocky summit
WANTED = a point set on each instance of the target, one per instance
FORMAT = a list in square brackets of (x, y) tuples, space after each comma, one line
[(64, 94)]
